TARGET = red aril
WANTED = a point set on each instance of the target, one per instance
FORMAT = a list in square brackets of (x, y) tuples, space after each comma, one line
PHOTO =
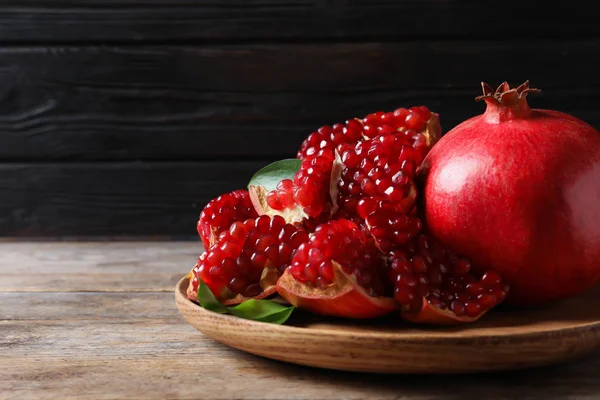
[(337, 273), (517, 190)]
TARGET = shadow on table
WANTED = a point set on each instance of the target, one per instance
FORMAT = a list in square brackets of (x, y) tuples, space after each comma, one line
[(578, 378)]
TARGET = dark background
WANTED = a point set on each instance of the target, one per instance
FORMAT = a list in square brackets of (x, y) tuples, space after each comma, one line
[(124, 117)]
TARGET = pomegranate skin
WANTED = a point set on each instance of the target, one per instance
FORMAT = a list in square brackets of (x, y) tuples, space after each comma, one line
[(517, 191)]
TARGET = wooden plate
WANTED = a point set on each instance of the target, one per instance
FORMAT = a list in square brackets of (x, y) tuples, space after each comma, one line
[(503, 339)]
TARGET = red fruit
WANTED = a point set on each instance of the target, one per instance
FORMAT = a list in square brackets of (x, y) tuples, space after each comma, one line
[(312, 194), (518, 190), (247, 259), (377, 184), (419, 125), (336, 273), (220, 213), (434, 286)]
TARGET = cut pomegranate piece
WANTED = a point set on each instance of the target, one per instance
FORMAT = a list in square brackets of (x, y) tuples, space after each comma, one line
[(247, 259), (418, 124), (434, 286), (336, 273), (218, 215), (311, 194), (377, 183)]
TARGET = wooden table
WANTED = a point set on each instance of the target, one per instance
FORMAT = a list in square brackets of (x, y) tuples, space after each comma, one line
[(98, 320)]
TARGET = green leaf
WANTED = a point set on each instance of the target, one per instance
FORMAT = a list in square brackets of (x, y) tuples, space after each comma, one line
[(207, 299), (272, 174), (262, 310), (257, 310), (279, 317)]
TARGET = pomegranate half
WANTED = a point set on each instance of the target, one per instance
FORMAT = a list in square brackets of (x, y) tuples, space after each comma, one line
[(517, 190)]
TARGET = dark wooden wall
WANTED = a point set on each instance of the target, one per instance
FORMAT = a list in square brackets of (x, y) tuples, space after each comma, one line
[(124, 117)]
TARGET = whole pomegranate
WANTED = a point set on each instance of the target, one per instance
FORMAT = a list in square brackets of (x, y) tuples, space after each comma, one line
[(517, 190)]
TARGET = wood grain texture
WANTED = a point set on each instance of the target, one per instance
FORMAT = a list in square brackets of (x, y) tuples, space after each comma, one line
[(58, 258), (205, 370), (136, 198), (257, 101), (137, 346), (500, 341), (93, 267), (73, 306), (130, 20)]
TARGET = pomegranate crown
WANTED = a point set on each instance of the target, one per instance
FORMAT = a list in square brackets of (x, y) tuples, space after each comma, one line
[(504, 94)]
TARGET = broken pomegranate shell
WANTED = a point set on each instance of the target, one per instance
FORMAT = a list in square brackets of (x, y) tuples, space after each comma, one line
[(337, 273), (246, 261), (344, 298), (434, 286)]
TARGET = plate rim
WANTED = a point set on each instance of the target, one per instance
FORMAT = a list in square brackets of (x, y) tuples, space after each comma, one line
[(183, 301)]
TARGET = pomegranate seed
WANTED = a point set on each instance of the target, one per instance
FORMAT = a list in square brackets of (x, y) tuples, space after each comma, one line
[(274, 201), (487, 301), (238, 230), (419, 264), (458, 308), (472, 308), (414, 120), (258, 260), (401, 114), (491, 278), (461, 267), (404, 295)]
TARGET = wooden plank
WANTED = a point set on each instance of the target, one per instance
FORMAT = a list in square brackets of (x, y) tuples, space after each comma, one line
[(96, 306), (95, 267), (143, 199), (255, 101), (130, 20), (149, 358), (58, 258), (92, 282)]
